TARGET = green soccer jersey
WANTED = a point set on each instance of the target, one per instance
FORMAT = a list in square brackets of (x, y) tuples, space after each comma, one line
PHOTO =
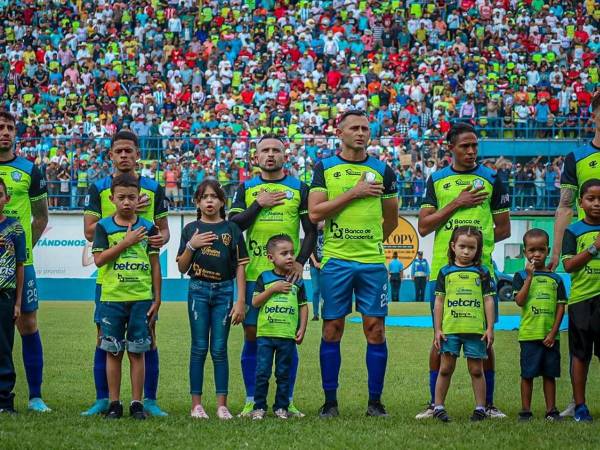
[(356, 232), (464, 289), (280, 219), (585, 282), (580, 166), (98, 203), (539, 312), (443, 187), (25, 185), (279, 316), (129, 277)]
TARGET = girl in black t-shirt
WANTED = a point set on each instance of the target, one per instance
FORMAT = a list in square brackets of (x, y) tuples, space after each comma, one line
[(213, 253)]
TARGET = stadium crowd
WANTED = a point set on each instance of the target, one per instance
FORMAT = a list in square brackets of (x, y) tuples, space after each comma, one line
[(198, 81)]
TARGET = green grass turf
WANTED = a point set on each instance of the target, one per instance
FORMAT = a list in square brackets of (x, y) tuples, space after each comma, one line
[(68, 337)]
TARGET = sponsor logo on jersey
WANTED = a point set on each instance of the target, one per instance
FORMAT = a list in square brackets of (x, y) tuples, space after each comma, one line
[(593, 164), (353, 172)]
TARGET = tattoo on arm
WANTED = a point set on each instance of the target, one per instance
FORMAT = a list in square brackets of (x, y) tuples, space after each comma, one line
[(39, 212), (567, 198)]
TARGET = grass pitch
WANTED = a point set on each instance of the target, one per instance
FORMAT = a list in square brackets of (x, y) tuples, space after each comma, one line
[(68, 335)]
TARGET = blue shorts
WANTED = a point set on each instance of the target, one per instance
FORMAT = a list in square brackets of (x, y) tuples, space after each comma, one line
[(538, 360), (125, 326), (472, 345), (340, 279), (430, 295), (30, 292), (251, 312), (97, 295)]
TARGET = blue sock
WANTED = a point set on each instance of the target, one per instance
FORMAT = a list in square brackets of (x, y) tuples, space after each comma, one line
[(152, 372), (433, 374), (100, 379), (249, 367), (33, 359), (331, 361), (293, 372), (490, 376), (377, 355)]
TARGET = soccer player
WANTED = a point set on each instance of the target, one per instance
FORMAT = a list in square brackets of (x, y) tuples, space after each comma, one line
[(356, 195), (464, 193), (269, 204), (28, 203), (12, 257), (152, 206), (580, 166), (581, 258)]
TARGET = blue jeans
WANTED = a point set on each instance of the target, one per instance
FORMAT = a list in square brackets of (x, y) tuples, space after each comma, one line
[(315, 276), (283, 350), (209, 305)]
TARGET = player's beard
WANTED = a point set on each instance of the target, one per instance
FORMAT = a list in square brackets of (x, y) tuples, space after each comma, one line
[(6, 149), (275, 168)]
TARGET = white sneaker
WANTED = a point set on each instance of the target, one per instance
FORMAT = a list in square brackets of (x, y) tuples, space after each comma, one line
[(426, 414), (198, 412), (223, 413), (281, 413), (569, 410), (258, 414), (494, 413)]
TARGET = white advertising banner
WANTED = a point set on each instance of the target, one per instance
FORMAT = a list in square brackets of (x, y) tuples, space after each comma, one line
[(63, 252)]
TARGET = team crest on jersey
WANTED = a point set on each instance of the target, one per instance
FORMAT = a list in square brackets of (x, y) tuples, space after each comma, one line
[(477, 183), (226, 238), (289, 195), (16, 175), (477, 281)]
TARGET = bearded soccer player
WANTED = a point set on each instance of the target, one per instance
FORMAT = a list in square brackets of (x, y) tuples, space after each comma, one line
[(152, 206), (356, 195), (269, 204), (29, 204), (580, 166), (464, 193)]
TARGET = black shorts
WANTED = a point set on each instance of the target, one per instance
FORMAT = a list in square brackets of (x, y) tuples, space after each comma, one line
[(584, 329), (538, 360)]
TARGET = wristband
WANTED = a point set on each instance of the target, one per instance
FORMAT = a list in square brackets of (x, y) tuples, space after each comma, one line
[(189, 247)]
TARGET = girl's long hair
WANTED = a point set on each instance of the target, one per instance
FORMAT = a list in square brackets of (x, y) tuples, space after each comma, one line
[(467, 230), (216, 187)]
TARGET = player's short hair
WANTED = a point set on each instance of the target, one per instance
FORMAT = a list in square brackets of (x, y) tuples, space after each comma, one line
[(124, 180), (277, 239), (264, 137), (3, 184), (535, 233), (588, 185), (458, 129), (125, 135), (350, 112), (596, 102), (8, 116)]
